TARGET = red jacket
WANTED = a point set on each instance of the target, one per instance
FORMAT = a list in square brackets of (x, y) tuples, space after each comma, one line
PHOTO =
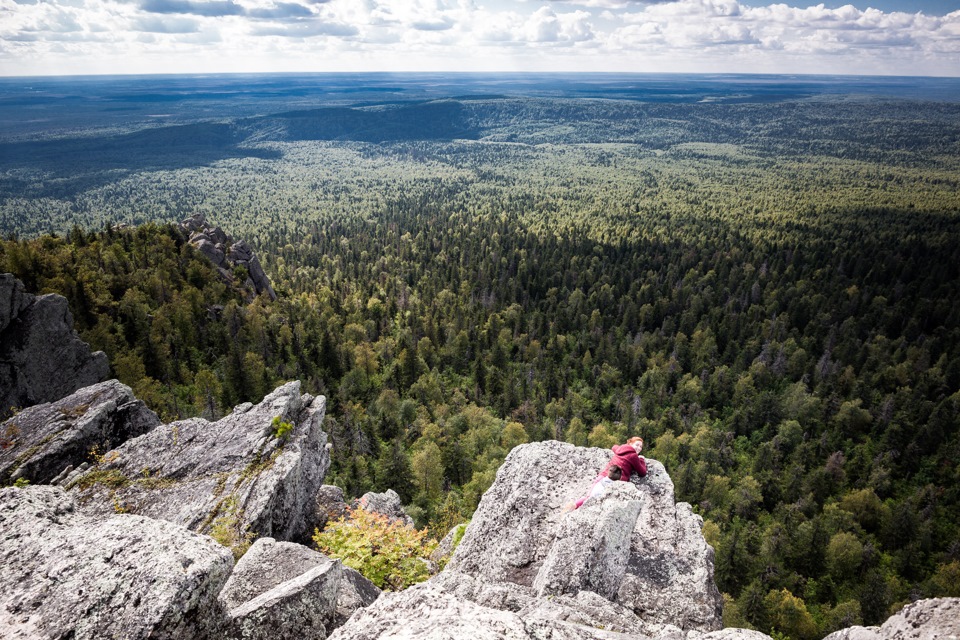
[(625, 457)]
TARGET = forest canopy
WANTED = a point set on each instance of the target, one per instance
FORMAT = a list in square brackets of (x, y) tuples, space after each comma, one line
[(766, 293)]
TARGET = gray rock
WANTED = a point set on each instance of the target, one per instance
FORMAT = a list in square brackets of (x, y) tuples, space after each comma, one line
[(232, 478), (525, 568), (520, 535), (356, 592), (446, 546), (41, 357), (267, 565), (196, 222), (592, 547), (329, 505), (424, 611), (733, 634), (13, 299), (219, 236), (297, 608), (856, 633), (286, 585), (211, 251), (240, 252), (47, 439), (259, 278), (282, 585), (386, 504), (67, 575), (931, 619)]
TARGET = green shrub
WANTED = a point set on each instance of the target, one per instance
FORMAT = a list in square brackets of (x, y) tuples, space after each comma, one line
[(281, 429), (388, 553)]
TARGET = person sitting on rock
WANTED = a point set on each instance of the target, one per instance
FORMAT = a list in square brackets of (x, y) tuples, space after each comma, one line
[(599, 486), (627, 458)]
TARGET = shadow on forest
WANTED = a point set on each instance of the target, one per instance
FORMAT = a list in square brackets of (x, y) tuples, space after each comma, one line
[(72, 165), (438, 120)]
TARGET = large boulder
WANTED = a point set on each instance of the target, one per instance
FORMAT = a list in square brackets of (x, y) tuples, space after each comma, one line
[(283, 585), (386, 504), (69, 575), (253, 473), (933, 619), (635, 546), (41, 357), (47, 439), (630, 562)]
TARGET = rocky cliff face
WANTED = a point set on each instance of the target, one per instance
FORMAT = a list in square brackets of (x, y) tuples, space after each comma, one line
[(48, 440), (238, 473), (226, 253), (41, 357)]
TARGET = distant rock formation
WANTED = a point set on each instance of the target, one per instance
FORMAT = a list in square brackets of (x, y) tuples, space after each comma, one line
[(236, 472), (631, 562), (225, 253), (51, 439), (41, 357), (69, 575)]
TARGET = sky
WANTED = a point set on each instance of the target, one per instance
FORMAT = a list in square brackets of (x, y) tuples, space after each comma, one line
[(879, 37)]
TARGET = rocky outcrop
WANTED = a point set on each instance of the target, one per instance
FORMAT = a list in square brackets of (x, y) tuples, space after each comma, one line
[(69, 575), (635, 546), (225, 253), (47, 440), (41, 357), (933, 619), (629, 562), (13, 299), (282, 585), (329, 505), (386, 504), (234, 477)]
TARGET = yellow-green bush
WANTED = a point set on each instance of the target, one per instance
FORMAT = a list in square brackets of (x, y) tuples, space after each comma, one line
[(388, 553)]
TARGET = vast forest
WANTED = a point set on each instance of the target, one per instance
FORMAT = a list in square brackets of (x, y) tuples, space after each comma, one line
[(766, 289)]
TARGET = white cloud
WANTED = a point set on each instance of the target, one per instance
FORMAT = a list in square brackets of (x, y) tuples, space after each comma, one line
[(601, 35)]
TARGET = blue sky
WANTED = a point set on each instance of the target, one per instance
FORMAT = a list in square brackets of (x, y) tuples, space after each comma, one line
[(886, 37)]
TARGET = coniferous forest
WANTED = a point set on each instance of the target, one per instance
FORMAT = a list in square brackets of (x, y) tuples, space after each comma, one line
[(765, 288)]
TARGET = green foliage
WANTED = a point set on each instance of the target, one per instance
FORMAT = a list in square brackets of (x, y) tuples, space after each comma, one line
[(789, 615), (20, 483), (280, 429), (112, 478), (387, 553), (765, 293), (226, 527)]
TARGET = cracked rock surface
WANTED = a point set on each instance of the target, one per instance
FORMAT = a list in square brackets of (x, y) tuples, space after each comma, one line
[(69, 575), (234, 475)]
